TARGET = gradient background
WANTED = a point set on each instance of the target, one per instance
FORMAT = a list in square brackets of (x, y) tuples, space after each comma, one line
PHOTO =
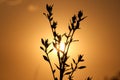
[(22, 25)]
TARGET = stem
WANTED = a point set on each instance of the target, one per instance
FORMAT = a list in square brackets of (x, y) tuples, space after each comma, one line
[(51, 66), (65, 52), (74, 69), (60, 64), (58, 54), (63, 63), (51, 27), (70, 42), (67, 40), (61, 71), (61, 74)]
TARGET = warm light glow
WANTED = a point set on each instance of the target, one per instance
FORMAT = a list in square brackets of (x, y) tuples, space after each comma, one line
[(61, 47)]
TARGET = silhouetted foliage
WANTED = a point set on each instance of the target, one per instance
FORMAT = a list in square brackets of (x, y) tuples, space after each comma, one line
[(89, 78), (63, 67), (116, 77)]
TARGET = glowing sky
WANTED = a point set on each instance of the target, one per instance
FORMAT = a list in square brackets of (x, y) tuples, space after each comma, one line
[(22, 25)]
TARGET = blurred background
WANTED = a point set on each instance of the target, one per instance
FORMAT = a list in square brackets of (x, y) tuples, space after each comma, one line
[(22, 25)]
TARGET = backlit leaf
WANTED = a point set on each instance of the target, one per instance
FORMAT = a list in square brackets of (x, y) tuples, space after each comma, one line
[(45, 58), (69, 28), (80, 58), (50, 51), (74, 61), (44, 14), (89, 78), (83, 18), (67, 73), (71, 66), (74, 18), (81, 67), (54, 71), (42, 48), (80, 14), (42, 41), (57, 66), (67, 65)]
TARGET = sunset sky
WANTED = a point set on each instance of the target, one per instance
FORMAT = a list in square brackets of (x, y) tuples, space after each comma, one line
[(22, 25)]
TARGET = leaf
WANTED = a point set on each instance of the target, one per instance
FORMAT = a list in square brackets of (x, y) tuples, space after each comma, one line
[(83, 18), (49, 8), (71, 66), (55, 45), (69, 28), (42, 41), (66, 36), (50, 51), (44, 14), (68, 69), (54, 34), (74, 18), (57, 66), (46, 43), (54, 71), (70, 77), (89, 78), (75, 40), (54, 25), (51, 18), (81, 67), (67, 73), (77, 25), (56, 78), (71, 40), (80, 14), (80, 58), (67, 65), (74, 61), (45, 58), (72, 26), (42, 48)]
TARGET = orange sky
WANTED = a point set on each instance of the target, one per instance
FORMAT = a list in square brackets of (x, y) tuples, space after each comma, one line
[(22, 25)]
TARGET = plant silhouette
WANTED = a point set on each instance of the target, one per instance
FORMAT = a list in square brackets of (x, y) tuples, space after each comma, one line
[(63, 67), (115, 77)]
